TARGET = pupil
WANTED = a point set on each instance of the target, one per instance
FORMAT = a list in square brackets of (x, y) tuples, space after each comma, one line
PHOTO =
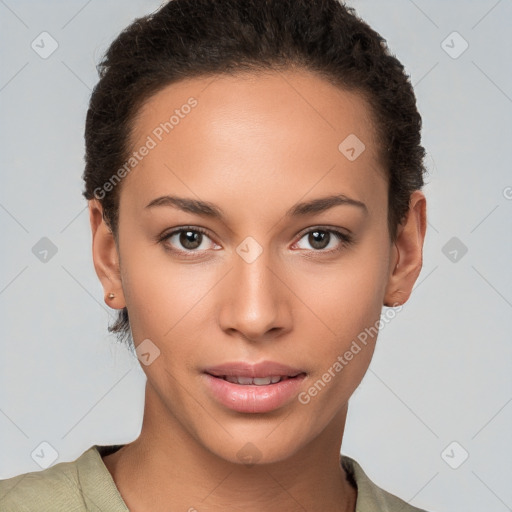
[(319, 239), (189, 239)]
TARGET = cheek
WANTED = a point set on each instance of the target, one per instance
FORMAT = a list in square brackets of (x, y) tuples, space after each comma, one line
[(166, 300), (149, 288), (342, 324), (347, 297), (341, 344)]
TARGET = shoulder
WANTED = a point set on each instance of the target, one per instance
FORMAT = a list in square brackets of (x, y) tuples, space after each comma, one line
[(67, 486), (54, 486), (371, 497)]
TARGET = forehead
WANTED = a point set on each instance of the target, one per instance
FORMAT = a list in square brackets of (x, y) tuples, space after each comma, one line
[(292, 131)]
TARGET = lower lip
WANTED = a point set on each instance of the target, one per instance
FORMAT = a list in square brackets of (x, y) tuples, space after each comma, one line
[(251, 398)]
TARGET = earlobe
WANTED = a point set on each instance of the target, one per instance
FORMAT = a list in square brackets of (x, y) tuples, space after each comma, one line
[(105, 257), (408, 249)]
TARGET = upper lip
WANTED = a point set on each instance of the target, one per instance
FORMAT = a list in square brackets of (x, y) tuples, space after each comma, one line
[(254, 370)]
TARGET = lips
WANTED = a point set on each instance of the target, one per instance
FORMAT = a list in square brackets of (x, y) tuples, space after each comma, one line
[(253, 388), (264, 369)]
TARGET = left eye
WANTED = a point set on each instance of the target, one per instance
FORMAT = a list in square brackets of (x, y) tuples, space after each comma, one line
[(189, 239), (320, 239)]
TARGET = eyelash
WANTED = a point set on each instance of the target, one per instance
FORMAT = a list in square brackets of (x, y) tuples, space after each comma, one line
[(344, 238)]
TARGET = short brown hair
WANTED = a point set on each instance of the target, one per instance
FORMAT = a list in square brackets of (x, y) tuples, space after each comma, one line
[(194, 38)]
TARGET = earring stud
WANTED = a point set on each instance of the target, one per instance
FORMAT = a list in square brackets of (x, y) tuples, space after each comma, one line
[(111, 295)]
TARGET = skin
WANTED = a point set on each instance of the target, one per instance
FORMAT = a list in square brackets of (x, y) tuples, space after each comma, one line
[(255, 145)]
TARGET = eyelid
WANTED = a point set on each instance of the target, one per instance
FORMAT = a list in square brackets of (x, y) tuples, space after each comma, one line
[(332, 229)]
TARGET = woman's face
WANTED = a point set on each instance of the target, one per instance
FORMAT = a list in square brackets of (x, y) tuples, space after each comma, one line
[(256, 275)]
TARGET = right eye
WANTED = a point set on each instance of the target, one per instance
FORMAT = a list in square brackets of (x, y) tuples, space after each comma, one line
[(186, 240)]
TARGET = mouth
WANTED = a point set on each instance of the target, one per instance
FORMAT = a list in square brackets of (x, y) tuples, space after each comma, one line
[(255, 381), (253, 388)]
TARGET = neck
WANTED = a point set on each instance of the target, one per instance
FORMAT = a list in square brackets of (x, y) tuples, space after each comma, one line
[(166, 468)]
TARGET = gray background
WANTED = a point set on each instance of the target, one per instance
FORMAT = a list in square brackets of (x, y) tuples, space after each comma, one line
[(441, 371)]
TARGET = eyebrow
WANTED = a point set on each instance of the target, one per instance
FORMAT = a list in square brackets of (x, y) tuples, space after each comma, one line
[(208, 209)]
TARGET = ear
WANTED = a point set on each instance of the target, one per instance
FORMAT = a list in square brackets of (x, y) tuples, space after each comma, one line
[(407, 257), (105, 256)]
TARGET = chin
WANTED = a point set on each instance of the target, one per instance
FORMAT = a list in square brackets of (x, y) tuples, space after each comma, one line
[(252, 446)]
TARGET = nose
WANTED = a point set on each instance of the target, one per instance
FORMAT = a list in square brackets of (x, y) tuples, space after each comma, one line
[(256, 302)]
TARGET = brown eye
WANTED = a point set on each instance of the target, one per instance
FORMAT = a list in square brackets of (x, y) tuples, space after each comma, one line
[(319, 239), (187, 240), (190, 239), (325, 240)]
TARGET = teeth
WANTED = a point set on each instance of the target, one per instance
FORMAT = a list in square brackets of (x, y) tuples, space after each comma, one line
[(257, 381), (260, 381)]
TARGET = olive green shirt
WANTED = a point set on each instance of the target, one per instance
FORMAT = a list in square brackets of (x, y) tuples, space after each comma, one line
[(86, 485)]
